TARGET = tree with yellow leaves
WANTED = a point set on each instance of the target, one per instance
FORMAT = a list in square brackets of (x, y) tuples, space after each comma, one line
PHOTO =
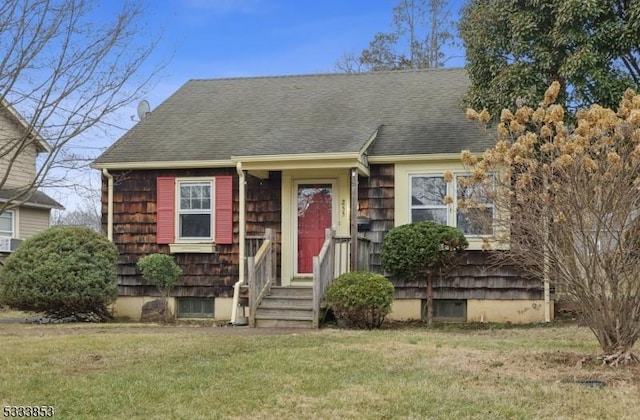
[(567, 197)]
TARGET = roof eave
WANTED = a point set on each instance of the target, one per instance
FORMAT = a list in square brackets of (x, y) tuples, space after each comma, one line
[(432, 157), (297, 157), (56, 206), (41, 144), (183, 164), (305, 161)]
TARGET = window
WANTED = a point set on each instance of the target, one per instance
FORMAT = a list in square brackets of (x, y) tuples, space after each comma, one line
[(7, 231), (195, 213), (447, 310), (6, 224), (193, 307), (427, 199), (476, 220), (428, 193)]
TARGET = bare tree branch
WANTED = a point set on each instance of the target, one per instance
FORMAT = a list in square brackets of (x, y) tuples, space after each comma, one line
[(421, 31), (568, 206), (62, 73)]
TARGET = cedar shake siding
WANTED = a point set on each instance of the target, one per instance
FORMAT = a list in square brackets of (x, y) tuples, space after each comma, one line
[(477, 277), (135, 234), (264, 209), (375, 201)]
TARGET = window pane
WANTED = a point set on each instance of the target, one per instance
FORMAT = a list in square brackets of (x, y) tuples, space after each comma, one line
[(195, 307), (435, 215), (472, 192), (184, 306), (449, 310), (195, 196), (428, 190), (195, 225), (476, 221), (185, 196), (6, 223)]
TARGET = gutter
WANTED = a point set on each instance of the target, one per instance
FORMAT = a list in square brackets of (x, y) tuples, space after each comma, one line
[(241, 246), (109, 177)]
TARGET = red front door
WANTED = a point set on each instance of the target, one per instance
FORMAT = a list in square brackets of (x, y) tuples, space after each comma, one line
[(314, 217)]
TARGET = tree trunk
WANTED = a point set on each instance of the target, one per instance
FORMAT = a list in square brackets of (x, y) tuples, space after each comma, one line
[(616, 343), (429, 299)]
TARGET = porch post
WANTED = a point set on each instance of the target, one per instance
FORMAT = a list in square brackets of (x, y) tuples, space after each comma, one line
[(354, 220), (242, 229)]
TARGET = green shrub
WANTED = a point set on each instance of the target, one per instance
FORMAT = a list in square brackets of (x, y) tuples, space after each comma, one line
[(63, 271), (360, 299), (419, 249), (162, 271), (411, 251)]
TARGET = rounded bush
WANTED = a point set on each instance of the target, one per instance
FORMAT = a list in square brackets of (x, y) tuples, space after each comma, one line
[(160, 270), (62, 272), (410, 251), (360, 299)]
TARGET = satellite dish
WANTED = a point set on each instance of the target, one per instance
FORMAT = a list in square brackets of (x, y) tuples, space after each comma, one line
[(143, 109)]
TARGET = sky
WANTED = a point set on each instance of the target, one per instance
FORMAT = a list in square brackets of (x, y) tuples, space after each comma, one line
[(238, 38), (244, 38)]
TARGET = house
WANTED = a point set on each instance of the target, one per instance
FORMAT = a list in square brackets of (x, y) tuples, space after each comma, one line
[(223, 161), (25, 211)]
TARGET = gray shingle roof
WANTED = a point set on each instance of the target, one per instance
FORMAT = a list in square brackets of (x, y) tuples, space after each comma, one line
[(38, 199), (419, 112)]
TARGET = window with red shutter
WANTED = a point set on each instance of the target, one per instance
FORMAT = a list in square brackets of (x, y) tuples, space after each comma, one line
[(203, 210)]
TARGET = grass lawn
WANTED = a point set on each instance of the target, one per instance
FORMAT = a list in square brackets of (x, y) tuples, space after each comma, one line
[(130, 371)]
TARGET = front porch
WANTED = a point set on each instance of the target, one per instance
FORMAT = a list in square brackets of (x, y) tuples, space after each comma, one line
[(298, 231), (270, 304)]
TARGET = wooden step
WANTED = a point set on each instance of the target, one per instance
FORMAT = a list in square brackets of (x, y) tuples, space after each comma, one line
[(286, 307), (291, 291), (283, 323), (287, 301), (283, 312)]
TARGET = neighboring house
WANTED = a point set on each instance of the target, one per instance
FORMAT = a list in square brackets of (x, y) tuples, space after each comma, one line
[(19, 148), (223, 160)]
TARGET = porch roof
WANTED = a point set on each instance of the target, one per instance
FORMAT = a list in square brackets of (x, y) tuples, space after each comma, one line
[(404, 112)]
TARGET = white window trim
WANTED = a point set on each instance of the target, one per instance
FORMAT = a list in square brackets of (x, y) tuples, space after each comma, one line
[(441, 206), (402, 198), (454, 194), (14, 224), (177, 212), (452, 209)]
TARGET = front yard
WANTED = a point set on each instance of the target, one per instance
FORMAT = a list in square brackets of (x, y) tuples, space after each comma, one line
[(142, 371)]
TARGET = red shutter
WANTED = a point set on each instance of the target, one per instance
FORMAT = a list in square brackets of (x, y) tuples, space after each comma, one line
[(224, 209), (165, 208)]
